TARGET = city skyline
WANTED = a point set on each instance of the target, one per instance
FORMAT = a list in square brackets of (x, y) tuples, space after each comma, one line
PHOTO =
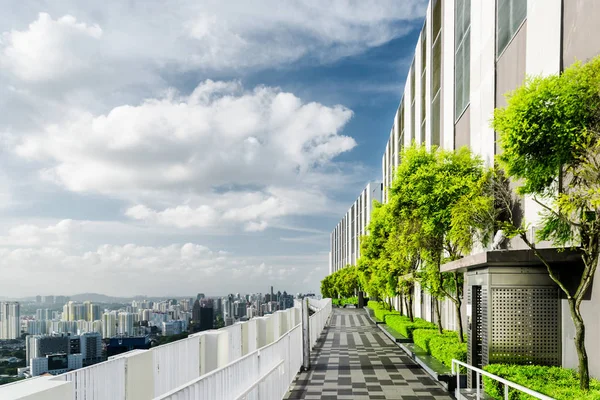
[(200, 160)]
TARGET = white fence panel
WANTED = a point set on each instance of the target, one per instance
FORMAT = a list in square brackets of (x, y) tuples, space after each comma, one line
[(175, 364), (98, 382)]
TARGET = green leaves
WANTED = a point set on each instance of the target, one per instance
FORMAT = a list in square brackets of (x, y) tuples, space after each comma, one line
[(342, 283), (547, 124)]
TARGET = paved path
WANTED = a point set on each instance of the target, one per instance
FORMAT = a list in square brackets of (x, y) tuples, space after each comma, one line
[(354, 360)]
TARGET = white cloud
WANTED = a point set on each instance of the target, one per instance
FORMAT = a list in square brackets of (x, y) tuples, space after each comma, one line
[(209, 35), (252, 210), (49, 49), (131, 269), (189, 145)]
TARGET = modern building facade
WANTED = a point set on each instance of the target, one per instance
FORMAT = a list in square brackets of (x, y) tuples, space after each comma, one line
[(468, 56), (345, 238), (10, 320)]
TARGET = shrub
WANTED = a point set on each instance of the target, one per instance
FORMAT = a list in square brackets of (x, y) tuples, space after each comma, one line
[(374, 305), (421, 337), (559, 383), (345, 300), (445, 348), (405, 327)]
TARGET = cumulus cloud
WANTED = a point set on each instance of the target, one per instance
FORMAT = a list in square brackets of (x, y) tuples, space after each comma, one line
[(219, 134), (253, 210), (209, 35), (49, 49), (176, 269)]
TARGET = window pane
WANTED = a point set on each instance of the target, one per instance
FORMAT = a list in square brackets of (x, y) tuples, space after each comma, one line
[(437, 66), (423, 51), (437, 18), (459, 79), (511, 14), (435, 121), (423, 133), (466, 69), (519, 13)]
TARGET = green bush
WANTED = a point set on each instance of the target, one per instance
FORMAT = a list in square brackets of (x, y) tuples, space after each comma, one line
[(445, 348), (405, 327), (374, 305), (345, 300), (559, 383), (421, 337)]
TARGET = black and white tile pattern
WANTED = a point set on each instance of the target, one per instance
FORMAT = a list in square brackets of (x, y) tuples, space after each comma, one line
[(355, 360)]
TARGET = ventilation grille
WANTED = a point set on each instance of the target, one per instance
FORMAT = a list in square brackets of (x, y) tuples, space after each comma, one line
[(525, 326)]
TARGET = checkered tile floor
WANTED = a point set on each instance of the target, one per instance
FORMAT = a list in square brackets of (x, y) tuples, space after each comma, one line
[(354, 360)]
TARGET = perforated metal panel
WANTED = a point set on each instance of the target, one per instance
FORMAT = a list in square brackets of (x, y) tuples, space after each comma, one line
[(525, 326), (477, 335)]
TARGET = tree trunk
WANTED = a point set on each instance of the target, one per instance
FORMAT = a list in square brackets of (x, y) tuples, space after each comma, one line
[(584, 373), (438, 314), (401, 304), (410, 308), (390, 304), (457, 306), (406, 305)]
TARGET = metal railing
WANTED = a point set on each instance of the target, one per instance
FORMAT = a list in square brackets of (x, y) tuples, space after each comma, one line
[(478, 389), (318, 320), (175, 364), (265, 373), (90, 383)]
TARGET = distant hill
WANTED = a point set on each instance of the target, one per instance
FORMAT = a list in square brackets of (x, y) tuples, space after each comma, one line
[(98, 298)]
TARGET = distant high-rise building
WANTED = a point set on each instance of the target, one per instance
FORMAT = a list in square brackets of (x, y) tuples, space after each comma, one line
[(37, 327), (109, 325), (38, 299), (91, 347), (42, 345), (93, 312), (10, 320), (48, 299), (126, 324)]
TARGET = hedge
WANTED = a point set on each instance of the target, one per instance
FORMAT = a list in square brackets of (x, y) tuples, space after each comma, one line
[(345, 300), (445, 348), (421, 337), (405, 327), (559, 383), (380, 311)]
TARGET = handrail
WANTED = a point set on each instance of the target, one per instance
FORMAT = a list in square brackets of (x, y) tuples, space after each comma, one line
[(262, 378), (506, 382), (229, 364)]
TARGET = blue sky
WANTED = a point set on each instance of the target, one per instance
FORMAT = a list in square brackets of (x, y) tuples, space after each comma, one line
[(203, 148)]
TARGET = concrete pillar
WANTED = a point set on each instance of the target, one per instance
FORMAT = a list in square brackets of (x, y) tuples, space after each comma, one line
[(297, 314), (234, 333), (249, 336), (41, 388), (214, 350), (262, 325), (273, 328), (139, 374), (283, 322)]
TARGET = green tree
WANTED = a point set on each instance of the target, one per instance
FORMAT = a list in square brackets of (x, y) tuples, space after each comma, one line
[(549, 132), (372, 249), (430, 194)]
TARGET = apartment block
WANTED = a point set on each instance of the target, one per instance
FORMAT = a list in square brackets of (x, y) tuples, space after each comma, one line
[(345, 238), (469, 55)]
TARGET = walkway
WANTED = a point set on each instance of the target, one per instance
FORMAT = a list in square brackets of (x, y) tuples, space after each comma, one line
[(354, 360)]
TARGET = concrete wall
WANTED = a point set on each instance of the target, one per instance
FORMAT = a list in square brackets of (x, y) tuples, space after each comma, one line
[(581, 22)]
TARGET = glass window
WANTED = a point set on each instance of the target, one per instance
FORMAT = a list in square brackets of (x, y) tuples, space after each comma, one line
[(435, 121), (462, 56), (423, 74), (412, 104), (437, 66), (437, 18), (511, 14)]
